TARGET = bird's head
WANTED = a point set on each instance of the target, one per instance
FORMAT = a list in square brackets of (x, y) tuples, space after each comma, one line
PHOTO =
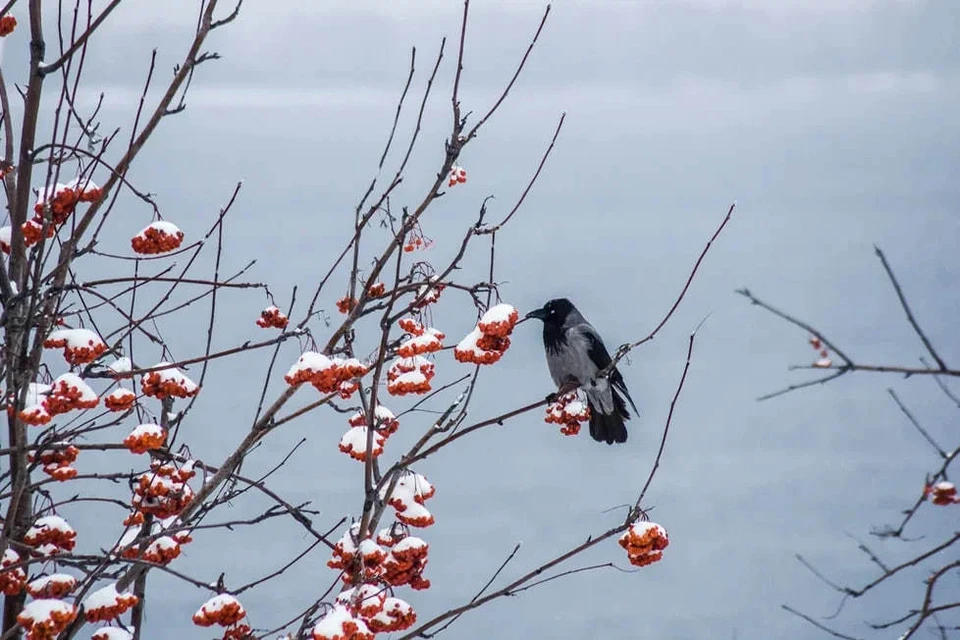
[(555, 312)]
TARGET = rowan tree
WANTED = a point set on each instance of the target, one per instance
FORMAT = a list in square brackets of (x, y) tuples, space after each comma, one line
[(923, 573), (92, 370)]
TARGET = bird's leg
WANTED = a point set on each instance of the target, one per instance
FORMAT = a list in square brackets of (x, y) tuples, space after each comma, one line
[(569, 385)]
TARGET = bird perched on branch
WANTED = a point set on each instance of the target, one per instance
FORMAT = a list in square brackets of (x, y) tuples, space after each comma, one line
[(575, 355)]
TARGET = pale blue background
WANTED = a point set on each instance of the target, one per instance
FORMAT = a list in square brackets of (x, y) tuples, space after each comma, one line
[(834, 126)]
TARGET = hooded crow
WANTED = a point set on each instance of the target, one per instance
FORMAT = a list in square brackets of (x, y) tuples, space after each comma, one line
[(575, 354)]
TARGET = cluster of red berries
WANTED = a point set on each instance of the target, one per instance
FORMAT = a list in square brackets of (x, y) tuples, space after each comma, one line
[(327, 375), (46, 618), (346, 304), (50, 535), (428, 293), (163, 491), (43, 401), (408, 498), (354, 441), (34, 410), (162, 551), (119, 400), (416, 241), (394, 557), (942, 493), (168, 382), (376, 289), (57, 585), (57, 463), (7, 25), (569, 412), (406, 561), (410, 375), (490, 338), (644, 542), (11, 580), (382, 613), (157, 237), (80, 346), (272, 317), (69, 392), (224, 610), (424, 339), (458, 175), (145, 437), (340, 624), (107, 604), (56, 205)]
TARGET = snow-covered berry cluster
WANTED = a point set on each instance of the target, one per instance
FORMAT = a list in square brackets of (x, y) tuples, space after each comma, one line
[(410, 375), (458, 175), (406, 561), (644, 542), (157, 237), (428, 293), (80, 346), (162, 549), (490, 338), (69, 392), (46, 618), (423, 339), (50, 535), (340, 624), (167, 381), (34, 410), (394, 557), (942, 493), (272, 317), (224, 610), (408, 497), (42, 401), (379, 611), (119, 400), (354, 441), (11, 580), (569, 412), (58, 462), (57, 585), (107, 603), (145, 438), (327, 375), (163, 491), (55, 204)]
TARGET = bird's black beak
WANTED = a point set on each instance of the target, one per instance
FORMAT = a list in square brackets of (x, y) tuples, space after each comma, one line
[(539, 314)]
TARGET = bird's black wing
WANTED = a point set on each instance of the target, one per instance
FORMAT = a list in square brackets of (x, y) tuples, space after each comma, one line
[(601, 358)]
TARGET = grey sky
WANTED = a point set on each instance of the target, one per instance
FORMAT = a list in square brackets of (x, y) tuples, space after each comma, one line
[(832, 124)]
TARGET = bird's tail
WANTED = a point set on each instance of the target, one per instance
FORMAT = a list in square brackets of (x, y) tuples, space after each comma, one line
[(609, 427)]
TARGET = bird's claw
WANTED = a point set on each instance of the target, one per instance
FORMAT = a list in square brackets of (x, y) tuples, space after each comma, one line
[(568, 387)]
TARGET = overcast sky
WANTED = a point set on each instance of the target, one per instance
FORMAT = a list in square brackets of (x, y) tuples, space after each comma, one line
[(832, 124)]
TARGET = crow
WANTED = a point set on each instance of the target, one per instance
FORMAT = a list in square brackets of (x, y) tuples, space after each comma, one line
[(575, 354)]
